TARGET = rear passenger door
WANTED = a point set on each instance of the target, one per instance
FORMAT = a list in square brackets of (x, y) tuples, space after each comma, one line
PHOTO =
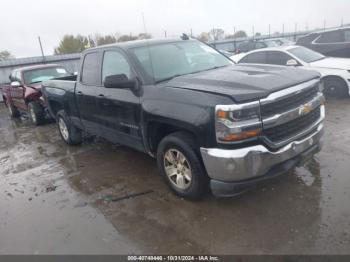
[(87, 89), (118, 109)]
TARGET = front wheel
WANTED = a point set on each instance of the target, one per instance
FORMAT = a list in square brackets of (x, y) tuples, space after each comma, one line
[(36, 113), (181, 167), (335, 87), (69, 133)]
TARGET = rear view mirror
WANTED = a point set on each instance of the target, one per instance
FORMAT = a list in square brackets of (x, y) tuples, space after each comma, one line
[(15, 84), (292, 62), (119, 81)]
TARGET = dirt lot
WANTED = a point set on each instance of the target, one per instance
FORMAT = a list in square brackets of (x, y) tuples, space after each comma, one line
[(58, 199)]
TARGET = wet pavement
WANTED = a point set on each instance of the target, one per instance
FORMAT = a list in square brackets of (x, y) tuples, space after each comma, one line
[(100, 198)]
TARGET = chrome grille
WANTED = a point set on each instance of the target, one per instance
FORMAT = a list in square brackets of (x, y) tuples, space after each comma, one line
[(291, 113), (290, 129), (289, 102)]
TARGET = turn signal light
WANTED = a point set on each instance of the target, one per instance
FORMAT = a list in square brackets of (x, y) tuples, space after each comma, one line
[(242, 135)]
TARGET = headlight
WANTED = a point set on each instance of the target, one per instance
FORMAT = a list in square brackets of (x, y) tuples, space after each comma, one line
[(237, 122)]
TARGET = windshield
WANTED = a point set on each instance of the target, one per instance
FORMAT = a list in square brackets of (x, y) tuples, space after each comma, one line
[(165, 61), (43, 74), (306, 54)]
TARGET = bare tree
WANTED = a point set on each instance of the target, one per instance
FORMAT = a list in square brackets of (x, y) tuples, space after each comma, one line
[(216, 34)]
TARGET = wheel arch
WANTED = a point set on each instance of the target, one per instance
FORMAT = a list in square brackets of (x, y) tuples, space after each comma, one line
[(157, 130)]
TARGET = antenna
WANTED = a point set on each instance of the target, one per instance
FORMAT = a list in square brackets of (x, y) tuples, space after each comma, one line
[(41, 48), (148, 48)]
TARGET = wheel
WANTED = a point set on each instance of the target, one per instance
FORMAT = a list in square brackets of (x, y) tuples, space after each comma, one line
[(335, 87), (13, 111), (181, 167), (36, 113), (69, 133)]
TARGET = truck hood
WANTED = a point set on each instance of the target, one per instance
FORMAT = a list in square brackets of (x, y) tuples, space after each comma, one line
[(332, 62), (244, 83)]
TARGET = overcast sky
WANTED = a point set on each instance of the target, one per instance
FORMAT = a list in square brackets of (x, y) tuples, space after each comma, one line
[(22, 21)]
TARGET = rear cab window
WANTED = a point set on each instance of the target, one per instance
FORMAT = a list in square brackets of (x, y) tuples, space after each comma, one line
[(91, 69)]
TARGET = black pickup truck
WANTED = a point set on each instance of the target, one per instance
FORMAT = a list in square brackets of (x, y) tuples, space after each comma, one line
[(209, 123)]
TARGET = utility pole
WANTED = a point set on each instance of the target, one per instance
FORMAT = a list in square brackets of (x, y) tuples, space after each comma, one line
[(269, 30), (41, 48), (253, 29), (324, 25), (283, 30), (165, 33)]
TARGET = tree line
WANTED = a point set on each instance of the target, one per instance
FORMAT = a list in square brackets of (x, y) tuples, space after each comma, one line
[(77, 43)]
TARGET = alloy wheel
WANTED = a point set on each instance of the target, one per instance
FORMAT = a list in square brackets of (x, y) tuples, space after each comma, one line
[(177, 168), (63, 129)]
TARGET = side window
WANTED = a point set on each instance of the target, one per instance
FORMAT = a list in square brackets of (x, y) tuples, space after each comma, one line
[(90, 74), (255, 58), (114, 63), (277, 58), (331, 37), (347, 35)]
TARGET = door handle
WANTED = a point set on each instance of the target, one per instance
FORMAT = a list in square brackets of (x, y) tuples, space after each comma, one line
[(79, 93), (101, 96)]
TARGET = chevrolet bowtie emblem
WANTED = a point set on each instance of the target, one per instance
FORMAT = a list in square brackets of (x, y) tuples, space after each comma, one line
[(305, 109)]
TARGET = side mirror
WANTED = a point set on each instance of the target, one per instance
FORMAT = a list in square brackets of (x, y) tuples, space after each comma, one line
[(292, 62), (119, 81), (15, 84)]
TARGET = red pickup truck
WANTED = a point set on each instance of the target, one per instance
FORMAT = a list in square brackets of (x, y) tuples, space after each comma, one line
[(23, 93)]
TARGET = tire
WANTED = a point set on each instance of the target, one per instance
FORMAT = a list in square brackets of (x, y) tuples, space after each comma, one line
[(36, 113), (13, 111), (186, 178), (69, 133), (335, 87)]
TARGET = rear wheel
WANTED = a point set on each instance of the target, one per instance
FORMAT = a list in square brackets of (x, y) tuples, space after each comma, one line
[(36, 113), (335, 87), (181, 166), (69, 133)]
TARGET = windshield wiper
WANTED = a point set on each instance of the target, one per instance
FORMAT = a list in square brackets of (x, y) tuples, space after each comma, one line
[(215, 67), (35, 82)]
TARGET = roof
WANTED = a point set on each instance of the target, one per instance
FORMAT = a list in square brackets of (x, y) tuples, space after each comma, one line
[(329, 30), (32, 67), (139, 43)]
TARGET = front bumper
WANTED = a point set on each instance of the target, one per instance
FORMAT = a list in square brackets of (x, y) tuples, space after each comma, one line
[(230, 168)]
